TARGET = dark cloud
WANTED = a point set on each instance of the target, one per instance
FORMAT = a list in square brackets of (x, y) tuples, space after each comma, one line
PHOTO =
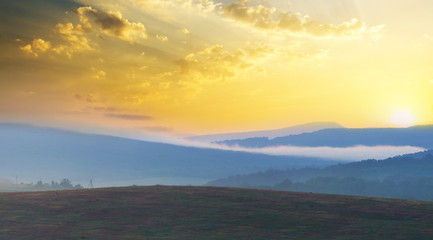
[(157, 129), (111, 23), (128, 116), (107, 21), (90, 98), (87, 98), (105, 109)]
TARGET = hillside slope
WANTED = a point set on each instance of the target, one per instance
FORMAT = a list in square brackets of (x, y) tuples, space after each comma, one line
[(208, 213), (408, 176), (416, 165), (34, 153)]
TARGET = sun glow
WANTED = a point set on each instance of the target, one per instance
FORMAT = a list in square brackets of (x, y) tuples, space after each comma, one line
[(403, 118)]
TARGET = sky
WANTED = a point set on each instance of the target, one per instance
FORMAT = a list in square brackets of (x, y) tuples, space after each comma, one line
[(191, 67)]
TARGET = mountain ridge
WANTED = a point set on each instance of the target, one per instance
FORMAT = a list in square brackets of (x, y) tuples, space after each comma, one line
[(419, 136), (292, 130)]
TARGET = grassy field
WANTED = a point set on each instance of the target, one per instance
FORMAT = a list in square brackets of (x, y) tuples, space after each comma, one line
[(162, 212)]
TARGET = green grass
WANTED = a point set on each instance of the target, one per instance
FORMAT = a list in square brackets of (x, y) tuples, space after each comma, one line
[(162, 212)]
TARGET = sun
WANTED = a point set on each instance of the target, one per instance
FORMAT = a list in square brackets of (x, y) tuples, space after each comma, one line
[(403, 118)]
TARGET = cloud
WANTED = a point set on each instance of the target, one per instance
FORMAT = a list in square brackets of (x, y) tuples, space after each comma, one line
[(36, 47), (267, 18), (350, 154), (161, 7), (355, 153), (73, 35), (78, 96), (68, 30), (105, 109), (91, 20), (28, 49), (156, 129), (162, 38), (40, 45), (376, 32), (98, 74), (428, 36), (203, 6), (185, 31), (89, 98), (214, 63), (144, 67), (128, 116), (111, 23)]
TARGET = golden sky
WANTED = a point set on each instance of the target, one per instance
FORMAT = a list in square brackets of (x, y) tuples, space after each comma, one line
[(201, 66)]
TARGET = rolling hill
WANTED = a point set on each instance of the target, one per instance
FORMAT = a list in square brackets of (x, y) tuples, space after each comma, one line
[(161, 212), (418, 164), (34, 153), (408, 176)]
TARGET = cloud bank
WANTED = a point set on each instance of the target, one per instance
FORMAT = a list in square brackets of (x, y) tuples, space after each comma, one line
[(110, 23), (268, 18), (349, 154), (129, 116), (356, 153)]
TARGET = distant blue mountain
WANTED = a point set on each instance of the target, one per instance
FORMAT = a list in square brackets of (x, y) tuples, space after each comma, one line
[(34, 153), (421, 136), (298, 129)]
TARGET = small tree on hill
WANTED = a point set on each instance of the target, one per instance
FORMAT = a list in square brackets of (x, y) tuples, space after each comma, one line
[(66, 184)]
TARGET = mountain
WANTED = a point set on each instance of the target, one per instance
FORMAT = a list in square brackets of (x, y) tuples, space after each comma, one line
[(298, 129), (420, 136), (33, 153)]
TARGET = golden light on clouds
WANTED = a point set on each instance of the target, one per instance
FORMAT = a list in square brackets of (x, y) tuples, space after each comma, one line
[(205, 66), (269, 18)]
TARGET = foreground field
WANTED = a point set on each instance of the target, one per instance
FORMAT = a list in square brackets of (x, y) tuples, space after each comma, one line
[(161, 212)]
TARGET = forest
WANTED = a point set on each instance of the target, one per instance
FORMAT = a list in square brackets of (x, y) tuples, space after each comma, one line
[(405, 177)]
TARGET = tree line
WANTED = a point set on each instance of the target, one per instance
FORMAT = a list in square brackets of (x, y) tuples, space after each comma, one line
[(64, 184)]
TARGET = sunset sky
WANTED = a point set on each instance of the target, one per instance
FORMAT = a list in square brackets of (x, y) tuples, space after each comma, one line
[(186, 67)]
